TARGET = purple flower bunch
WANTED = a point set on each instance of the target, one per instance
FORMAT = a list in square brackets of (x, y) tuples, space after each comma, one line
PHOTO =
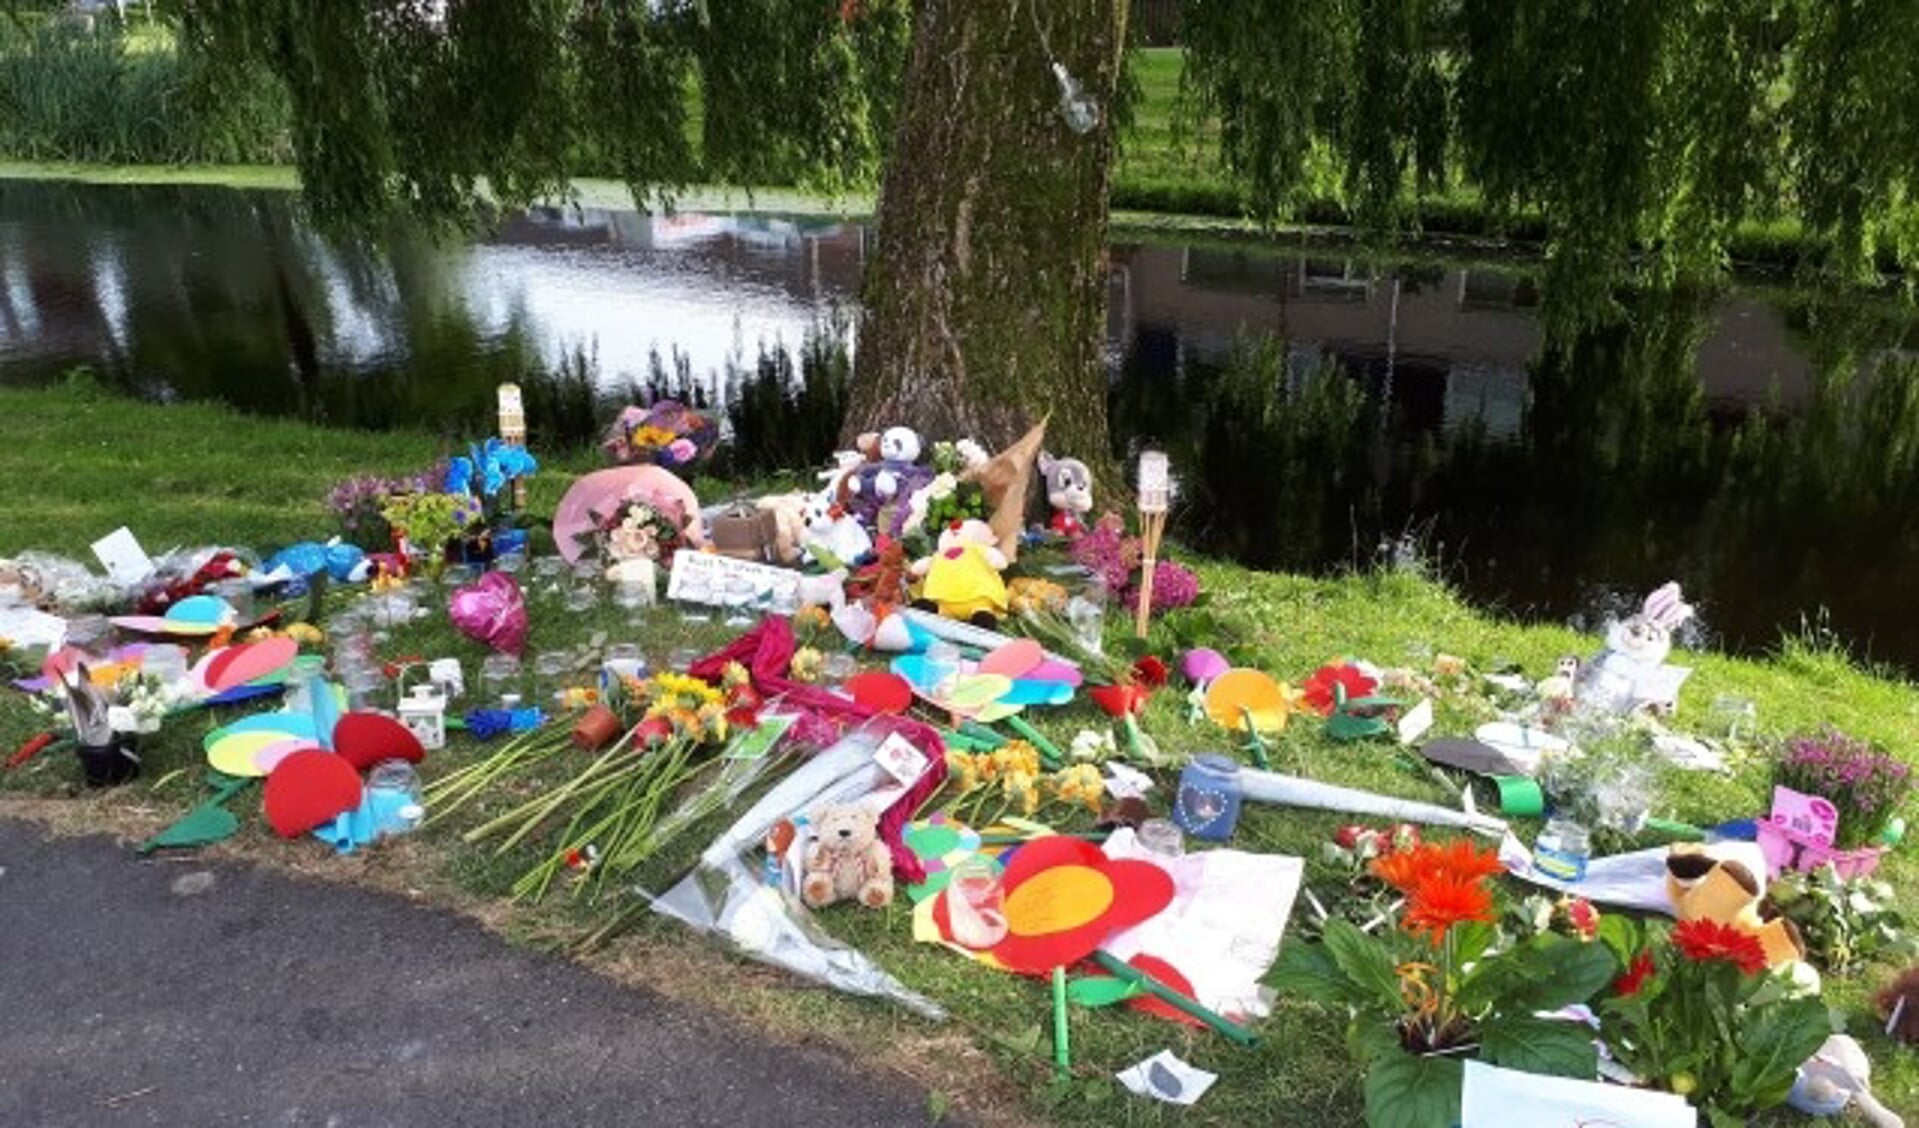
[(1866, 785), (358, 500), (1114, 559)]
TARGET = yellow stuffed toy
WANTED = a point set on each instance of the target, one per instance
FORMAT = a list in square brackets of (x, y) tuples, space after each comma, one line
[(961, 580), (1703, 887)]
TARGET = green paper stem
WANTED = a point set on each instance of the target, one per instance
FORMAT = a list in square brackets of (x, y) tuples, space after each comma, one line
[(1183, 1003), (980, 732), (1048, 751), (1093, 836), (1062, 1050), (1684, 832), (1254, 741), (964, 742)]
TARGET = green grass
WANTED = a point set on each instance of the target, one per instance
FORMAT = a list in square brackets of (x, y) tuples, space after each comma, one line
[(80, 463)]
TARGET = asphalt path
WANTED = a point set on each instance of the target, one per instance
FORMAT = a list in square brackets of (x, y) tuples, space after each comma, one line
[(136, 992)]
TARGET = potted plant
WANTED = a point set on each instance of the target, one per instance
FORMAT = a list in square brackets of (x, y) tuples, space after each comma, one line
[(1697, 1013), (1865, 787), (1444, 984)]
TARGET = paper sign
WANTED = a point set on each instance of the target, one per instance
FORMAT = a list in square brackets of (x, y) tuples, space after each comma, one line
[(1417, 721), (720, 581), (123, 558), (1494, 1098), (901, 760), (27, 626), (1807, 814)]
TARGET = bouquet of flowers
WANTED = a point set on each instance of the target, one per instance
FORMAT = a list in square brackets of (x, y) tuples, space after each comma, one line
[(639, 528), (428, 522), (1866, 785), (359, 503), (668, 433), (1698, 1014), (1116, 559)]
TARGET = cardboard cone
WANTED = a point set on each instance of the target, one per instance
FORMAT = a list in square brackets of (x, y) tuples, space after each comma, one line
[(1005, 479)]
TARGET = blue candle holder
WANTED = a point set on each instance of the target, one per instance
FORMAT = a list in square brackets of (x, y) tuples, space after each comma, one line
[(1207, 803)]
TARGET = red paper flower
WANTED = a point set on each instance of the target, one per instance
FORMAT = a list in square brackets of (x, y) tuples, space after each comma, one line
[(1709, 940), (1149, 672), (1635, 977), (1320, 692), (1119, 700), (1064, 897)]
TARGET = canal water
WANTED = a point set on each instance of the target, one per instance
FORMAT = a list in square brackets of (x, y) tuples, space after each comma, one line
[(1760, 443)]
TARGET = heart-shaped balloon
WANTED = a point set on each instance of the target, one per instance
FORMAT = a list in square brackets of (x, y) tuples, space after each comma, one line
[(491, 610)]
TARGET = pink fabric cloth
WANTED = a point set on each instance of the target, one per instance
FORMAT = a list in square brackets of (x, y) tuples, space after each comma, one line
[(767, 653)]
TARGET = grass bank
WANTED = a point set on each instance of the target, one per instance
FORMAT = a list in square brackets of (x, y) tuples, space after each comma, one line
[(82, 463)]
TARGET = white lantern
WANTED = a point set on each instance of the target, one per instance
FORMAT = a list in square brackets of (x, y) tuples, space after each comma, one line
[(424, 715), (1155, 481)]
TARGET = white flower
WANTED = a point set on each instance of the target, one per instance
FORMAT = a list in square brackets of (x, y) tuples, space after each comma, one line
[(971, 454), (942, 487), (1092, 747)]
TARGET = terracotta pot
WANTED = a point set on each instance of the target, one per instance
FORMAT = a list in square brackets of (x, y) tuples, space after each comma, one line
[(596, 728)]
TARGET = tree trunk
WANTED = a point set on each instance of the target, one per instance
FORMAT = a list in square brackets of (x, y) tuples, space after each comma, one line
[(985, 303)]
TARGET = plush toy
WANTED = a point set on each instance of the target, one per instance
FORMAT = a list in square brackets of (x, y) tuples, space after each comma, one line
[(1899, 1006), (962, 579), (878, 490), (1069, 490), (789, 525), (847, 859), (1631, 673), (831, 531), (1703, 887), (1837, 1077)]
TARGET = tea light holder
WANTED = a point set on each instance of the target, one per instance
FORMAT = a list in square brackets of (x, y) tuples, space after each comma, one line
[(424, 714), (1155, 498)]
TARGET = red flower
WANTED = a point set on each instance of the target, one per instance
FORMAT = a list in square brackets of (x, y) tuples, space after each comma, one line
[(1150, 672), (1708, 940), (1637, 972), (1582, 916), (653, 731), (1444, 899), (1119, 700), (1321, 691)]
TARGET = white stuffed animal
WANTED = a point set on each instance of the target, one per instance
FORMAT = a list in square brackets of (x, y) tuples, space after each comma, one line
[(1838, 1076), (835, 532), (1631, 673)]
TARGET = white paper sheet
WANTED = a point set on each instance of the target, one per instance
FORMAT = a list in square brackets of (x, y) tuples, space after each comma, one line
[(1501, 1098)]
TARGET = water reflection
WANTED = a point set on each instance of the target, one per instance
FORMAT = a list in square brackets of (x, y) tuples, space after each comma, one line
[(1762, 446)]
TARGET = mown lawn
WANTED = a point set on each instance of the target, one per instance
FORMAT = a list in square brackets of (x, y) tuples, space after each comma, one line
[(82, 463)]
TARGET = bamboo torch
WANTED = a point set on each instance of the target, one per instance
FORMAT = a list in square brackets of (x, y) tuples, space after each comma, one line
[(513, 433), (1155, 494)]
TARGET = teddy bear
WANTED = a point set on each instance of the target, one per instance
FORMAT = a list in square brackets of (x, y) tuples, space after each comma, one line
[(847, 859), (878, 490), (1703, 887), (789, 524), (1069, 490), (961, 580)]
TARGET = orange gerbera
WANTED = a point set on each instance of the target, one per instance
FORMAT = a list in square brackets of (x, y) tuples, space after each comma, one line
[(1443, 900), (1710, 940), (1406, 870)]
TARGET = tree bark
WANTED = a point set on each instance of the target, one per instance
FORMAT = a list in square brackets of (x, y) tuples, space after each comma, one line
[(985, 302)]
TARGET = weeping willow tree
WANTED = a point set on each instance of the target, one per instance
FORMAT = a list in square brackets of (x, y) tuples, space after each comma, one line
[(1641, 133), (985, 301)]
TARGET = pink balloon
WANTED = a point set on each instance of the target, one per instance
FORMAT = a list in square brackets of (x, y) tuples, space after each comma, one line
[(491, 610)]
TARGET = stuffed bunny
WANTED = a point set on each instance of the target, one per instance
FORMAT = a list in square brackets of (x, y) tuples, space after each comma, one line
[(1069, 490), (1631, 673)]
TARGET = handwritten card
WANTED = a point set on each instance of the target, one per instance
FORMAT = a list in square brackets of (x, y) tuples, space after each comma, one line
[(720, 581), (123, 558)]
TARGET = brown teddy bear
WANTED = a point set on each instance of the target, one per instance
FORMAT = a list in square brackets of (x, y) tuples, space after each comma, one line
[(847, 859), (1704, 888)]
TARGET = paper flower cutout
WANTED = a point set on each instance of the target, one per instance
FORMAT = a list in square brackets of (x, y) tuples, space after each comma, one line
[(1064, 897), (1120, 700), (1322, 690)]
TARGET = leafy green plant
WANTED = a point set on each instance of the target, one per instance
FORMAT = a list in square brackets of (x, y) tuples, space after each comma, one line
[(1698, 1014), (1446, 985), (1844, 923)]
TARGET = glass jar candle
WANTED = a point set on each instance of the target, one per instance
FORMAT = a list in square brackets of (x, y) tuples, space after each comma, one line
[(1207, 803), (1563, 849), (1162, 837), (976, 904)]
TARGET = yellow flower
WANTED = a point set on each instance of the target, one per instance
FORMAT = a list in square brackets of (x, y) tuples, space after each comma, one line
[(734, 675), (806, 664), (812, 617)]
